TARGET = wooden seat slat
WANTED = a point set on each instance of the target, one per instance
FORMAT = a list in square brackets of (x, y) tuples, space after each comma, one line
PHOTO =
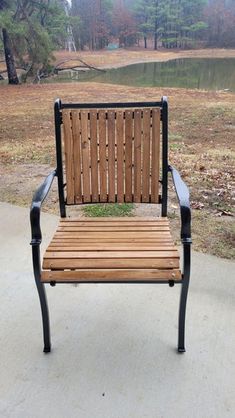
[(111, 254), (111, 274), (115, 224), (109, 247), (117, 219), (109, 242), (110, 238), (69, 263), (109, 235), (77, 228)]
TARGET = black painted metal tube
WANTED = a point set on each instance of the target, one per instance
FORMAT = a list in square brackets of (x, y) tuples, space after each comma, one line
[(42, 298), (164, 155), (35, 210), (183, 296), (109, 105), (57, 117), (183, 198)]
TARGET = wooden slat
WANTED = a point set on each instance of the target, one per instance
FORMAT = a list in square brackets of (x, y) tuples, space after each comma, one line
[(77, 156), (117, 241), (120, 156), (94, 156), (122, 234), (68, 150), (111, 274), (137, 156), (109, 247), (155, 155), (70, 263), (146, 156), (102, 155), (117, 219), (116, 224), (111, 254), (128, 155), (159, 230), (109, 238), (85, 157), (111, 156), (111, 228), (111, 244)]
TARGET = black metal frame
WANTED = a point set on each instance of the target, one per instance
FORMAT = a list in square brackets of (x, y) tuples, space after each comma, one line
[(185, 212), (181, 191), (36, 240), (163, 105)]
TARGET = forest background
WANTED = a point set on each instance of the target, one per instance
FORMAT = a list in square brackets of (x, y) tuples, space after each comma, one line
[(33, 29)]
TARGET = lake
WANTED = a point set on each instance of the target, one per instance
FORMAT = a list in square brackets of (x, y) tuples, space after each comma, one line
[(191, 73)]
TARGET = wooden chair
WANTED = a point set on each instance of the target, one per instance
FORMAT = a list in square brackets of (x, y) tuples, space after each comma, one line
[(113, 152)]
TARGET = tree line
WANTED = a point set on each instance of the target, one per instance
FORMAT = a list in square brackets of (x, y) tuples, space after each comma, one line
[(32, 29), (154, 23)]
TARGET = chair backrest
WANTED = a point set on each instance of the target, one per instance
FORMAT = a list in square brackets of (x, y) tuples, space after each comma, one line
[(110, 154)]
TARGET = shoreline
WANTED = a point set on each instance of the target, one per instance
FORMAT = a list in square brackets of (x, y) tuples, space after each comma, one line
[(123, 57)]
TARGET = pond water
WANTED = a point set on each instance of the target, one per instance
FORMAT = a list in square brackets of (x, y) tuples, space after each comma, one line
[(203, 73)]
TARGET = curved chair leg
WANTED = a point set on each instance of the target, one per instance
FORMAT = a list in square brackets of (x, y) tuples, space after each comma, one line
[(42, 299), (183, 299)]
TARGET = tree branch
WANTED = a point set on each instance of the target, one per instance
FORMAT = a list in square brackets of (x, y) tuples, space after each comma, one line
[(85, 65)]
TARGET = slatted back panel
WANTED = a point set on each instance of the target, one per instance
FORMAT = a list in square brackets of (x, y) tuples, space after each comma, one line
[(112, 155)]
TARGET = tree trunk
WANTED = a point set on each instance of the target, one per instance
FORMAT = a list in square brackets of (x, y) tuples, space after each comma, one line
[(9, 58), (155, 41), (145, 42), (156, 25)]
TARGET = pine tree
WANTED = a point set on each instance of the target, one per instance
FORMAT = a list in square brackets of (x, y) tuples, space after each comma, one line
[(31, 31)]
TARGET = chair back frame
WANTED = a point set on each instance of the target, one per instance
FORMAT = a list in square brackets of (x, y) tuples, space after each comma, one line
[(59, 107)]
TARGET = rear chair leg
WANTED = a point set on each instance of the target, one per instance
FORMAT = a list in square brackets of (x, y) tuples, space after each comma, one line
[(183, 299), (42, 298)]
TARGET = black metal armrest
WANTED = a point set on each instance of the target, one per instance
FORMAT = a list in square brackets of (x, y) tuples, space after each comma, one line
[(185, 211), (38, 198)]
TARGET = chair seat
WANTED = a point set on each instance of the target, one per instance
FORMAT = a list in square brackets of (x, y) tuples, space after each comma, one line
[(111, 250)]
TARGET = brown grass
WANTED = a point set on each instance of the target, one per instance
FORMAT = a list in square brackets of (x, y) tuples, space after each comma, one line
[(121, 57)]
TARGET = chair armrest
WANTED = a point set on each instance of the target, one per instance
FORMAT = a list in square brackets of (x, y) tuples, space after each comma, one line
[(38, 198), (185, 211)]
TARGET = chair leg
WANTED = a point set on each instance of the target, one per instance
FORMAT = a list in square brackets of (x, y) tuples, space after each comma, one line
[(42, 299), (183, 299)]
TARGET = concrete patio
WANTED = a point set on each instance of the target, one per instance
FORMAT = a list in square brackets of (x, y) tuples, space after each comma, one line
[(113, 346)]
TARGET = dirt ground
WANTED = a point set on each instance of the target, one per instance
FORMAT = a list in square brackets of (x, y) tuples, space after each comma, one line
[(121, 57), (202, 147)]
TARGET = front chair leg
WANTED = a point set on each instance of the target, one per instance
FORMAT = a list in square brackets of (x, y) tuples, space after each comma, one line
[(183, 299), (42, 298)]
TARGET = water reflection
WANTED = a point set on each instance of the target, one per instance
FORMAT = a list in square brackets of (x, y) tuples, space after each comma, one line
[(206, 73)]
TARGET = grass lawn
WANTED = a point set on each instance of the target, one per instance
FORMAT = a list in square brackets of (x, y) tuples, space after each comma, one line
[(202, 147)]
